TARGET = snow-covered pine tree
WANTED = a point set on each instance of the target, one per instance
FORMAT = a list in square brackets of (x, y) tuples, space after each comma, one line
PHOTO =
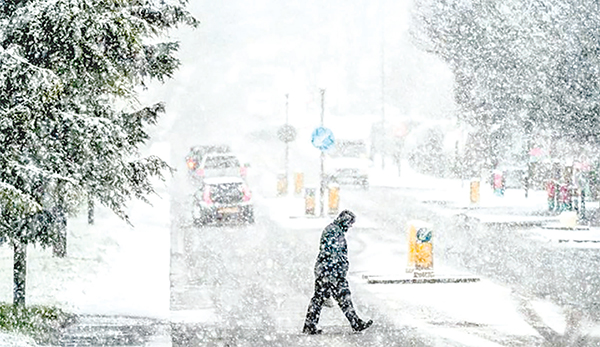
[(65, 65)]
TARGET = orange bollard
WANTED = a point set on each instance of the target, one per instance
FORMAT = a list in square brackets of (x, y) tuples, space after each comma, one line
[(420, 249), (309, 201), (298, 182), (282, 185), (474, 191), (334, 199)]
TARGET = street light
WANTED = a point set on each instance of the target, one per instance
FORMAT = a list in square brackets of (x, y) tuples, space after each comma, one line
[(382, 21), (322, 185), (327, 77), (287, 143), (287, 134)]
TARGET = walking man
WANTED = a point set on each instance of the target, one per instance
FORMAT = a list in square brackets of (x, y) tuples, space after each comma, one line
[(330, 275)]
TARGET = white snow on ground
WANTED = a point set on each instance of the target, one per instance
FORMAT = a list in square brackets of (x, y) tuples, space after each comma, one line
[(15, 340), (559, 236), (482, 302), (114, 268), (111, 268), (107, 262), (455, 193), (551, 314)]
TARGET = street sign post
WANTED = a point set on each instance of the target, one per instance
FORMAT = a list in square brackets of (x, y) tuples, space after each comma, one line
[(322, 138)]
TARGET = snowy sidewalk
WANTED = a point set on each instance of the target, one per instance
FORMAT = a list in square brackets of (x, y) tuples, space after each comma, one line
[(111, 268), (470, 303)]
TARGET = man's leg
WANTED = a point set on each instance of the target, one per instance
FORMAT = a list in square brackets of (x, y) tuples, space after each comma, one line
[(341, 292), (314, 308)]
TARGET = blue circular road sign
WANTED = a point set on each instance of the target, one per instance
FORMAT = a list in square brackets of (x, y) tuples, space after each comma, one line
[(424, 235), (322, 138)]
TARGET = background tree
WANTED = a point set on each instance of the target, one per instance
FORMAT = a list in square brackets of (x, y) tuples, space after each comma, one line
[(529, 67), (65, 66)]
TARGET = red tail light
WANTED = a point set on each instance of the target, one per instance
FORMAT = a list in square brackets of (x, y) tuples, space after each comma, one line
[(191, 164), (247, 193), (206, 196)]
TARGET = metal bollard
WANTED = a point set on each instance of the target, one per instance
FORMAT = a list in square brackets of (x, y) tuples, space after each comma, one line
[(474, 191), (582, 206), (282, 184), (563, 198), (551, 191), (334, 199), (498, 182), (420, 249), (298, 182), (309, 201)]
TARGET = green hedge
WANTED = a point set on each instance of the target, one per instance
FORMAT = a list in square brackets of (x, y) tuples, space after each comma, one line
[(41, 323)]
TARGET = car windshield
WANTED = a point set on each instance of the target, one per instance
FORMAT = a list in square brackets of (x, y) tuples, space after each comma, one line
[(197, 152), (224, 162)]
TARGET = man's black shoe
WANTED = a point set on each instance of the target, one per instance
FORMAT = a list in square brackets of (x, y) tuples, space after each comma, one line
[(311, 330), (362, 325)]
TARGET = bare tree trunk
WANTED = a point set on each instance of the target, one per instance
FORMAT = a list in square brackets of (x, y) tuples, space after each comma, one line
[(60, 244), (90, 210), (19, 272)]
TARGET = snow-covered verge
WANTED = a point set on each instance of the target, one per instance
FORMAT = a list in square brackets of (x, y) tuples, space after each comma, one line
[(111, 268), (15, 340)]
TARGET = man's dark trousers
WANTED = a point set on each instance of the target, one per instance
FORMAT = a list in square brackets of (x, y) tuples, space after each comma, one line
[(339, 290)]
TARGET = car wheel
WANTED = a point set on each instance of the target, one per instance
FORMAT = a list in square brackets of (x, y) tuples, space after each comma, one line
[(248, 216), (200, 219)]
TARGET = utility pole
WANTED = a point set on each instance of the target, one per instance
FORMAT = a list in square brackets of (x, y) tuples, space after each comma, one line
[(384, 139), (286, 133), (287, 144), (322, 187)]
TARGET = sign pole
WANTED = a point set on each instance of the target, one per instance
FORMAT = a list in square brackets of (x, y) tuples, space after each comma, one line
[(287, 134), (322, 187), (323, 139), (287, 143)]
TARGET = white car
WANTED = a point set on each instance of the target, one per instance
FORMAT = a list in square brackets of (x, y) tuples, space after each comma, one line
[(221, 199), (348, 163), (219, 165)]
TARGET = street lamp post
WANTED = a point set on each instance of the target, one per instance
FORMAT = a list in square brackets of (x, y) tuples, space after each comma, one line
[(322, 186), (384, 142), (287, 143), (287, 134)]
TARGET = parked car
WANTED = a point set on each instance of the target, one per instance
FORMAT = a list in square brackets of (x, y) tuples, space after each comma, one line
[(197, 153), (348, 163), (222, 199)]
